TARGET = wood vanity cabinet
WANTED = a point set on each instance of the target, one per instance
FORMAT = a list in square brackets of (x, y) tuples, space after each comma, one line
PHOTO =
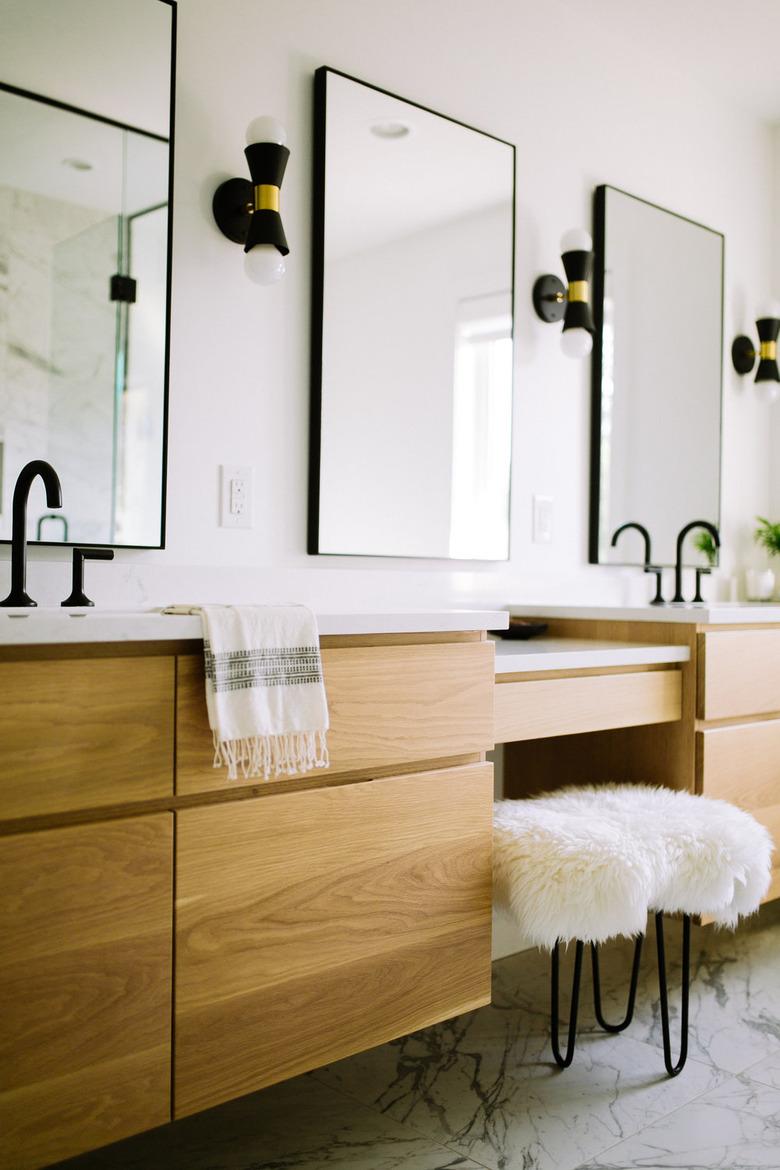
[(312, 917)]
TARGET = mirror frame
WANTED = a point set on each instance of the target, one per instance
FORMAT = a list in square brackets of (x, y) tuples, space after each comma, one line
[(599, 240), (318, 308), (50, 101)]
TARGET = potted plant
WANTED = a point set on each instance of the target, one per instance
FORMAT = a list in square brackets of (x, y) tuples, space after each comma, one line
[(705, 544), (761, 585)]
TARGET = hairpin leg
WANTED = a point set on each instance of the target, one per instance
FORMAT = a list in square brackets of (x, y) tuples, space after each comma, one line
[(565, 1061), (594, 954), (674, 1069)]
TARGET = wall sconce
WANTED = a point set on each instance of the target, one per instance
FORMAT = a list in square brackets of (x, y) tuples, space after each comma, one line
[(743, 353), (553, 301), (248, 212)]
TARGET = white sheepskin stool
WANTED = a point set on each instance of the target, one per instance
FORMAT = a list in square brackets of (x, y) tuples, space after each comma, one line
[(587, 864)]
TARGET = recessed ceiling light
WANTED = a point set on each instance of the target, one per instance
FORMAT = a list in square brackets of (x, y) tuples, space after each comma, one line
[(391, 129), (77, 164)]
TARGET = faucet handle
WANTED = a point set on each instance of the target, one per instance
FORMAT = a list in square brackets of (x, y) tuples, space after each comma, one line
[(659, 576), (77, 594), (701, 571)]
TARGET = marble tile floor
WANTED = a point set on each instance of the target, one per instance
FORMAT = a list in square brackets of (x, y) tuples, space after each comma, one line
[(481, 1091)]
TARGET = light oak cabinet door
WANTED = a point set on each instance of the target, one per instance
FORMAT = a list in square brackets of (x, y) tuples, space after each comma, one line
[(85, 987), (739, 673), (389, 706), (84, 733), (741, 764), (315, 924)]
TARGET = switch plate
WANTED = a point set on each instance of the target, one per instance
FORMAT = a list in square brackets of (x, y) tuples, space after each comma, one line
[(543, 519), (236, 496)]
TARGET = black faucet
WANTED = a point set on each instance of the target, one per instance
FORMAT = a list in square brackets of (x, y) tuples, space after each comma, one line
[(678, 567), (77, 594), (649, 566), (38, 467)]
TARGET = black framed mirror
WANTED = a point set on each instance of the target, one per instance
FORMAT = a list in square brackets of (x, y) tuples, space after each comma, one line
[(412, 329), (657, 376), (86, 139)]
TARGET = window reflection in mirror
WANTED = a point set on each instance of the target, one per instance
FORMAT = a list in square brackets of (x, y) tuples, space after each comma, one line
[(412, 395)]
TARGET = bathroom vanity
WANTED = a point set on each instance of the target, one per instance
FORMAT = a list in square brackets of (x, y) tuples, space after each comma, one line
[(715, 726), (172, 940)]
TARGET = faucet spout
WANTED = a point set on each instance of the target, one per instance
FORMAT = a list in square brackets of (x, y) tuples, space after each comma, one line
[(51, 482), (678, 566)]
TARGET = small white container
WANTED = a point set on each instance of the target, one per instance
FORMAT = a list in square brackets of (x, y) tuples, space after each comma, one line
[(759, 584)]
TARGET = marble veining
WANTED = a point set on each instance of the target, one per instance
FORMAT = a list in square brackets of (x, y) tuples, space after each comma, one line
[(480, 1092)]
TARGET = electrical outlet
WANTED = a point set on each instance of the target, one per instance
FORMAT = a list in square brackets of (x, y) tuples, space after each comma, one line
[(236, 496), (543, 519)]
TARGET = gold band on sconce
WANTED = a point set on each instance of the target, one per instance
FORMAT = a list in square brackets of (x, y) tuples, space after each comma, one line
[(768, 351), (266, 197), (578, 291)]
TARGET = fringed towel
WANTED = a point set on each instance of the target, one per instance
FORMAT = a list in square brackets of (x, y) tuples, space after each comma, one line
[(264, 690)]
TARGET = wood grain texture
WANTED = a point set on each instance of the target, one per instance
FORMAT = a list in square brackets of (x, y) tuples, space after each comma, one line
[(79, 734), (313, 925), (85, 987), (741, 764), (739, 673), (389, 705), (654, 754), (536, 709)]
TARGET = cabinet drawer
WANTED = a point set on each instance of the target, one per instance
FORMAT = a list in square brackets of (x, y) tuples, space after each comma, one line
[(538, 708), (742, 764), (312, 925), (84, 733), (85, 987), (739, 673), (389, 705)]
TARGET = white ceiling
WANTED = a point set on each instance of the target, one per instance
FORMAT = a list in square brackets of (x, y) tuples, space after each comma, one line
[(729, 47)]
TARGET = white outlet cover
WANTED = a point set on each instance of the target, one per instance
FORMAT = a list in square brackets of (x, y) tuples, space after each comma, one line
[(543, 519), (236, 496)]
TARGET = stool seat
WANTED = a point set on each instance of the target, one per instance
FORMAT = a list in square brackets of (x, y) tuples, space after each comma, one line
[(589, 863)]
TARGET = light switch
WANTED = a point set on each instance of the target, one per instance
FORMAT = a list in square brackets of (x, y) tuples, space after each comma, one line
[(543, 519)]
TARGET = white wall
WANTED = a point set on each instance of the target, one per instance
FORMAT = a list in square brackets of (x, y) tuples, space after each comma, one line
[(583, 106)]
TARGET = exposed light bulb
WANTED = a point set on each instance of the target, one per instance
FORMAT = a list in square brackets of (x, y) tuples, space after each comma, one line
[(576, 343), (265, 129), (576, 240), (264, 264), (768, 309), (767, 391)]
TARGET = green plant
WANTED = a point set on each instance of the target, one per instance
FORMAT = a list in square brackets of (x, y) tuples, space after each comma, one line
[(705, 544), (767, 535)]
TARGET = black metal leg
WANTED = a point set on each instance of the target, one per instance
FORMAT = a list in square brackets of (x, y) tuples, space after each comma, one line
[(674, 1069), (565, 1061), (594, 954)]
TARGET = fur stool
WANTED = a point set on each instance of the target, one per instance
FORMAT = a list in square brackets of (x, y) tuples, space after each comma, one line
[(587, 864)]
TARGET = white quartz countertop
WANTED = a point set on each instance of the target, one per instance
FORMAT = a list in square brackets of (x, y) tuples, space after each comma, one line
[(543, 653), (20, 627), (709, 614)]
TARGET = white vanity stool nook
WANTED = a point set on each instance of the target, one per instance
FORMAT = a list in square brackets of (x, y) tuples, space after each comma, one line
[(587, 864)]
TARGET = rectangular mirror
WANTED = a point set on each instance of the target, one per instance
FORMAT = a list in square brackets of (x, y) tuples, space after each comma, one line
[(412, 329), (85, 185), (657, 376)]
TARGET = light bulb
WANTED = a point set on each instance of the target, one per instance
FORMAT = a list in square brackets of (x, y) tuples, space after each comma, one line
[(767, 391), (264, 264), (768, 309), (576, 240), (265, 129), (576, 343)]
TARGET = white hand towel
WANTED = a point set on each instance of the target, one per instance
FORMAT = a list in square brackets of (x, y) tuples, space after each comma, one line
[(264, 689)]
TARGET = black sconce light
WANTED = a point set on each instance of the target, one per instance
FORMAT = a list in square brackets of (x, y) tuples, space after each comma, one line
[(743, 353), (553, 301), (248, 212)]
